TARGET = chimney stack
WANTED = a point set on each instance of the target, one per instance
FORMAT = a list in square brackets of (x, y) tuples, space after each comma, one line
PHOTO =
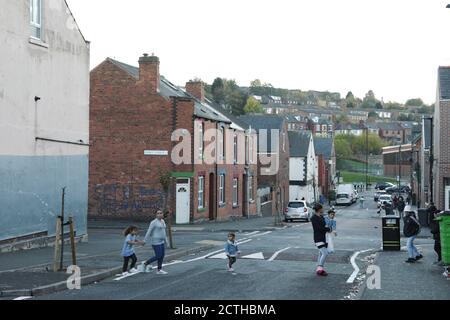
[(196, 89), (149, 72)]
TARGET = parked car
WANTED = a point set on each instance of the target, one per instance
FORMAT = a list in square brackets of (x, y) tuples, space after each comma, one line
[(384, 198), (383, 185), (396, 189), (378, 194), (297, 210)]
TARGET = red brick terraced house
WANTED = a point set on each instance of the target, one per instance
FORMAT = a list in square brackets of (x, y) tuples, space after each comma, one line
[(144, 128)]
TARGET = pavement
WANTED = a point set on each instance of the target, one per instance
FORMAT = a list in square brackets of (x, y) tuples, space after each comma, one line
[(277, 262)]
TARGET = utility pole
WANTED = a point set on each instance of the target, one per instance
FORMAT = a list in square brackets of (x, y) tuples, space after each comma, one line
[(399, 166), (367, 159)]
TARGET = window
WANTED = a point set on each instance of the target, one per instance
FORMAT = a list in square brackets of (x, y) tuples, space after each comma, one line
[(201, 192), (35, 18), (200, 141), (235, 144), (222, 189), (235, 192), (250, 188)]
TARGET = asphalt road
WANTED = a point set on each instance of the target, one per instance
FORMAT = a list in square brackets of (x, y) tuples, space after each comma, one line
[(274, 265)]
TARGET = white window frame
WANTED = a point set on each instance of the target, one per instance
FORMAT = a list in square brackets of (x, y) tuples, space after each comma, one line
[(221, 189), (201, 192), (221, 143), (235, 192), (36, 5)]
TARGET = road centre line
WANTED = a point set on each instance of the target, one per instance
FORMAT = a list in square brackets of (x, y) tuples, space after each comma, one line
[(355, 266), (275, 255)]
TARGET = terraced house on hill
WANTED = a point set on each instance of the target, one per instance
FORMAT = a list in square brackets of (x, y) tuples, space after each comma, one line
[(140, 123), (44, 120)]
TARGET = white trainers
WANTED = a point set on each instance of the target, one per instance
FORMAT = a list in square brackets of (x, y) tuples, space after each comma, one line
[(134, 270), (141, 267), (148, 269), (161, 272), (125, 273)]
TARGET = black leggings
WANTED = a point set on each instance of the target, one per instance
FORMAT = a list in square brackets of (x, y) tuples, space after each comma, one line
[(126, 260), (231, 261), (438, 249)]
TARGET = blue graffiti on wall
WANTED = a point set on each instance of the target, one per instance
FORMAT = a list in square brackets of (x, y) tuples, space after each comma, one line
[(116, 199)]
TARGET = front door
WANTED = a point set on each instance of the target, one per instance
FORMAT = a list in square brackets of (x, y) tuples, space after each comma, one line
[(244, 196), (183, 202)]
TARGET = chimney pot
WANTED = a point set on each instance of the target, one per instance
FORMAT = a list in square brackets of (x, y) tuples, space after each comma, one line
[(149, 72)]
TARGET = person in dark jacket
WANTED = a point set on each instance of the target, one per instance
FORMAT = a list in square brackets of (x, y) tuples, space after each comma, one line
[(320, 230), (411, 229), (401, 206), (435, 230)]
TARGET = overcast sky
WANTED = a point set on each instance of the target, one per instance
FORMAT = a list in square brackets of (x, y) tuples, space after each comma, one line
[(393, 47)]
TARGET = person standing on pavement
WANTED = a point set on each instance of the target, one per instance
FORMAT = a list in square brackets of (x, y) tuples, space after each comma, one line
[(411, 229), (231, 250), (158, 238), (320, 231), (435, 230), (361, 202), (401, 206)]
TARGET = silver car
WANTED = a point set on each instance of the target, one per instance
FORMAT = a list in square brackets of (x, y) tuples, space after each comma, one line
[(297, 210)]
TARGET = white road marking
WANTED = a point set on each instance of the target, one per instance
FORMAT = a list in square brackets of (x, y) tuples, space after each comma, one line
[(275, 255), (251, 233), (257, 256), (187, 261), (23, 298), (261, 234), (221, 255), (355, 266)]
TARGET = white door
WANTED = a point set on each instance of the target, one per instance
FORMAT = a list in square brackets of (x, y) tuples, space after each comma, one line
[(183, 203)]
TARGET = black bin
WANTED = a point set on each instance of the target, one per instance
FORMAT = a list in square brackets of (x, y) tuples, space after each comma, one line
[(423, 217), (391, 233)]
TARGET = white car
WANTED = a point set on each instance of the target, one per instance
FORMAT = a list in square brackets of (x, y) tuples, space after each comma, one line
[(297, 210), (383, 199), (344, 199)]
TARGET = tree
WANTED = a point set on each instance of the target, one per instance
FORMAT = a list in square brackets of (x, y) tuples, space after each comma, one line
[(393, 105), (256, 83), (342, 146), (342, 118), (373, 114), (369, 100), (253, 106), (218, 91), (425, 110), (417, 102), (350, 96)]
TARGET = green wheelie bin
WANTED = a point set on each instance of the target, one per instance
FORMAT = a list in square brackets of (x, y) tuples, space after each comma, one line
[(444, 226)]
